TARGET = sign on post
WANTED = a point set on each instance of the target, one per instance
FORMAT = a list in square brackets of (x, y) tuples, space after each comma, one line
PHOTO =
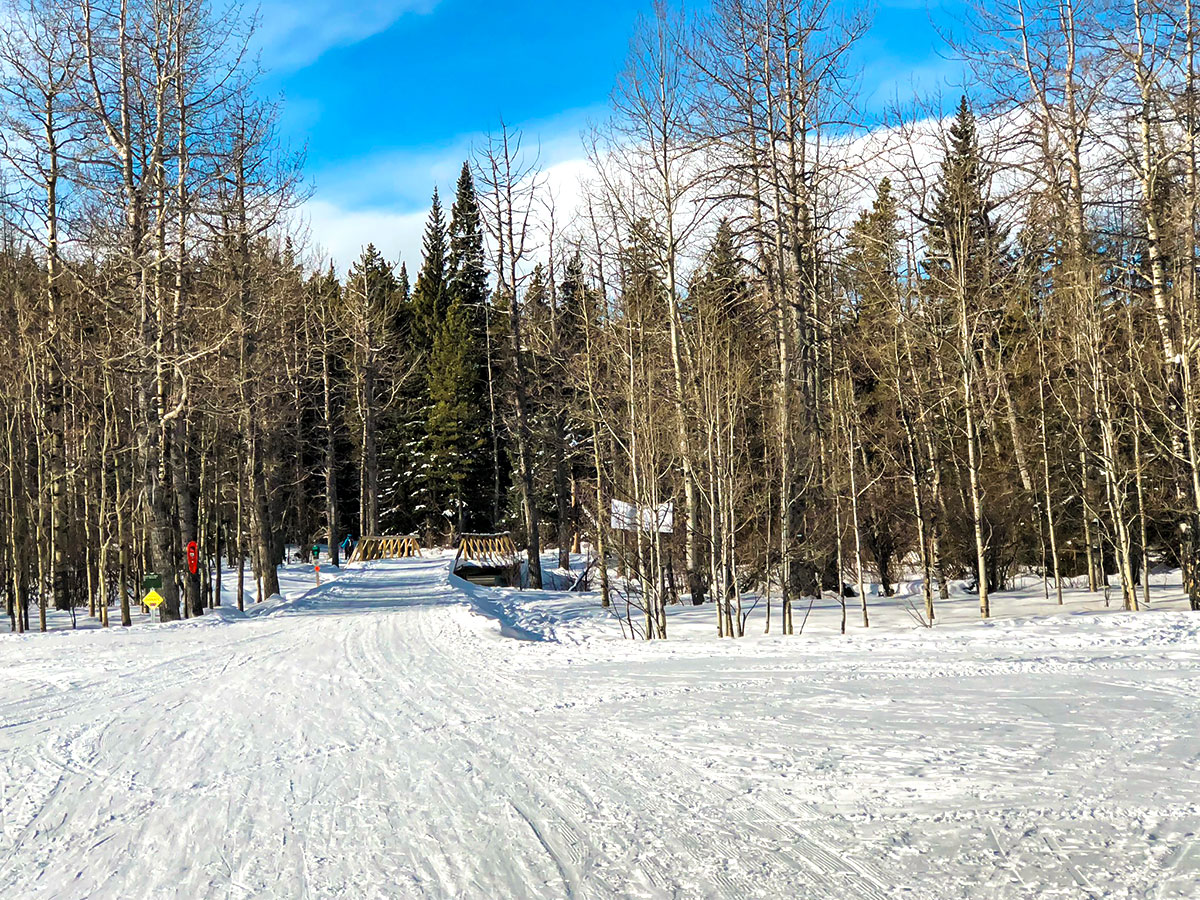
[(151, 581), (153, 599)]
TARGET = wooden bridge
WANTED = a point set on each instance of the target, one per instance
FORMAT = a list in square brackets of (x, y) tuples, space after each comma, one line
[(488, 559), (386, 547)]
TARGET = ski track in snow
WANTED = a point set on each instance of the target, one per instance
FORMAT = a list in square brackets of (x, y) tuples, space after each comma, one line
[(382, 737)]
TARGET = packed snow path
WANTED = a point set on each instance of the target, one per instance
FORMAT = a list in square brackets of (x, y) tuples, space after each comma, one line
[(377, 738)]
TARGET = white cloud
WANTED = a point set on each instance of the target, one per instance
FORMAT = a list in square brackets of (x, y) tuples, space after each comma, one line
[(383, 198), (339, 230), (293, 33), (341, 234)]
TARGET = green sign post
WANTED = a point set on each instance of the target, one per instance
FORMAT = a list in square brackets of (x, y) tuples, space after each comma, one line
[(151, 581)]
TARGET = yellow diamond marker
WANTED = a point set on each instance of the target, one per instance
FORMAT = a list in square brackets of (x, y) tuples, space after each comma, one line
[(154, 598)]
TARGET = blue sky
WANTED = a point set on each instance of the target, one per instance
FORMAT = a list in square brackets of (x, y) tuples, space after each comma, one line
[(388, 96)]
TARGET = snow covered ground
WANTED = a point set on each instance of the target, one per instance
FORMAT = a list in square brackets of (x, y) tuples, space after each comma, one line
[(393, 734), (295, 579)]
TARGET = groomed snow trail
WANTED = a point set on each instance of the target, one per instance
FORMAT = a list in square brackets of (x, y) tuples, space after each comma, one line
[(377, 738)]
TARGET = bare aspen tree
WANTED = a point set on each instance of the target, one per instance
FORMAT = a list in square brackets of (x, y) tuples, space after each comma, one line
[(652, 169), (42, 63), (510, 185)]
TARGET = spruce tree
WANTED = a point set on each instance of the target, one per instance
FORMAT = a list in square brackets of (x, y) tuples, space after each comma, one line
[(455, 467), (466, 273), (403, 288), (964, 268), (402, 314), (537, 300), (870, 358), (571, 294), (430, 296), (567, 431), (720, 282), (870, 279), (467, 278), (963, 242), (874, 255)]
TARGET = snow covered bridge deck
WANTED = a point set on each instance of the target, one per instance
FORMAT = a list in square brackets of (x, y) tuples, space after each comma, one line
[(376, 738)]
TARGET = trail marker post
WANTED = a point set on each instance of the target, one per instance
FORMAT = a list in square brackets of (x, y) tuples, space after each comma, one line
[(317, 562), (151, 582), (154, 599)]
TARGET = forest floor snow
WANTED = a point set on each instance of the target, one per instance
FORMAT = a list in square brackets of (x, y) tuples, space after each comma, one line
[(396, 733)]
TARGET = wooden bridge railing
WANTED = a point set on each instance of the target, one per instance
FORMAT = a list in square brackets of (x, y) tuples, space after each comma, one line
[(397, 546), (488, 559)]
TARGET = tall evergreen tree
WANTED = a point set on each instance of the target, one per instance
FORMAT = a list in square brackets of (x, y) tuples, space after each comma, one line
[(455, 470), (566, 431), (401, 316), (370, 281), (434, 402), (963, 241), (466, 272), (467, 284), (403, 288), (964, 269), (430, 295), (871, 408), (537, 298)]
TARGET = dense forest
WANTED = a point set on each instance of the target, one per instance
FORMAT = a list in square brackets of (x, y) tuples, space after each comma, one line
[(844, 347)]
